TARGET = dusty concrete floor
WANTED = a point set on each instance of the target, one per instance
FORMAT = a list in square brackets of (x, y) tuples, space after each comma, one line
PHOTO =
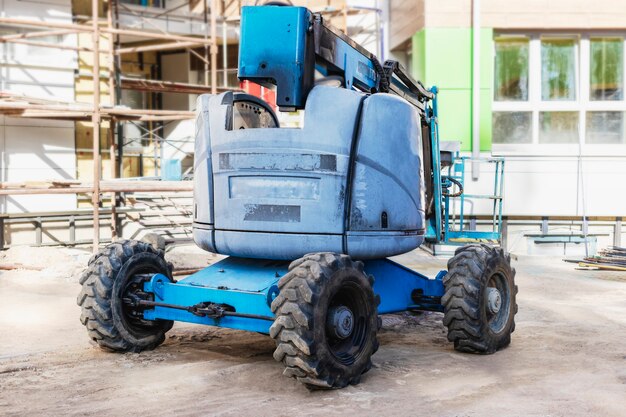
[(567, 358)]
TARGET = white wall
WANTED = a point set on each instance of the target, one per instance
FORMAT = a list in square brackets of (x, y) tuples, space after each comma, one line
[(550, 186), (32, 149)]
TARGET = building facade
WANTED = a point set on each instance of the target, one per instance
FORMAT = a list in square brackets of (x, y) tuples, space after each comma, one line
[(549, 96)]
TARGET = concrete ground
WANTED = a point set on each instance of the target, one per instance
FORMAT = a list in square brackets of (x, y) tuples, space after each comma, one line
[(567, 357)]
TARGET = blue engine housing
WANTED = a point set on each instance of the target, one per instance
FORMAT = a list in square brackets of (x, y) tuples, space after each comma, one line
[(350, 181)]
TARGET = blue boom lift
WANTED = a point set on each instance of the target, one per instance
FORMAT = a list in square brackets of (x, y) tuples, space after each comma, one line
[(308, 216)]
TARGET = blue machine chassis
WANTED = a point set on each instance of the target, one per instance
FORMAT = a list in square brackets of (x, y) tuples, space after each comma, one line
[(249, 286)]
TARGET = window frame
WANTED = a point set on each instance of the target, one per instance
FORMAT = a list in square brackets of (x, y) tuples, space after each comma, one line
[(582, 104)]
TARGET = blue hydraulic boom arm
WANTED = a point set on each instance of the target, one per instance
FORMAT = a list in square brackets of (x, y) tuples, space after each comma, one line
[(301, 42)]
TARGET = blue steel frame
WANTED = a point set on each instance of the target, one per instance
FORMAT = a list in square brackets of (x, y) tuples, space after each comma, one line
[(440, 228), (462, 234), (434, 226), (250, 285), (277, 47)]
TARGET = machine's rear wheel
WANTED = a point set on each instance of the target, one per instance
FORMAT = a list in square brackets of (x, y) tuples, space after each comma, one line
[(480, 299), (326, 321), (114, 274)]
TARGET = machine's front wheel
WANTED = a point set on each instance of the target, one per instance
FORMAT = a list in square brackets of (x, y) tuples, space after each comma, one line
[(115, 276), (480, 299), (326, 321)]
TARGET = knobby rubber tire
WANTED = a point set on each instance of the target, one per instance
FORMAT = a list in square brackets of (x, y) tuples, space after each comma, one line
[(101, 304), (465, 298), (301, 313)]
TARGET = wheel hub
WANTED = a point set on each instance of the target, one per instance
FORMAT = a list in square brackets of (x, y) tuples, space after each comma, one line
[(340, 322), (494, 300)]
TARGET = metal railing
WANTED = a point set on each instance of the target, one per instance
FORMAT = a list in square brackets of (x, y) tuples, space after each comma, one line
[(455, 228)]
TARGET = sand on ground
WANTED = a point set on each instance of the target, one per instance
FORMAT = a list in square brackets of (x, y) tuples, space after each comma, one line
[(567, 357)]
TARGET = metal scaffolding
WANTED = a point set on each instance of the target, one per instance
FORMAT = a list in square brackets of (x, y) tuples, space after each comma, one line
[(16, 105), (204, 48)]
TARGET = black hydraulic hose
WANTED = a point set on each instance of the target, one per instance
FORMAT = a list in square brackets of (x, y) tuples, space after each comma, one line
[(454, 181)]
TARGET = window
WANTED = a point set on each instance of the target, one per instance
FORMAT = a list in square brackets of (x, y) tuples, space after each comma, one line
[(135, 137), (511, 69), (557, 90), (512, 127), (558, 127), (558, 69), (605, 127), (607, 70)]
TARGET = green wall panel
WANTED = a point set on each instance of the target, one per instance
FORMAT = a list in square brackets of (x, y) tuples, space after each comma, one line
[(486, 95), (455, 117), (418, 45), (448, 58), (442, 57)]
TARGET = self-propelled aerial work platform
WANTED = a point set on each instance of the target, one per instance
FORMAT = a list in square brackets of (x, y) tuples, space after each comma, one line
[(308, 216)]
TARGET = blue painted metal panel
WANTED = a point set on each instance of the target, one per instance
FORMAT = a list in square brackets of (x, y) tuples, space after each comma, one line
[(275, 45), (249, 286), (187, 295), (395, 283), (357, 69), (239, 274), (472, 234)]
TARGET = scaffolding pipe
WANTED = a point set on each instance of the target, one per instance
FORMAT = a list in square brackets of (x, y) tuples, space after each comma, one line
[(37, 23), (157, 47), (95, 120), (38, 34), (225, 53), (206, 47), (118, 89), (106, 187), (111, 131), (45, 44), (475, 88), (213, 47), (154, 35)]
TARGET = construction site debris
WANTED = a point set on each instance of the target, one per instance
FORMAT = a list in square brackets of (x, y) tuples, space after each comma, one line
[(613, 258)]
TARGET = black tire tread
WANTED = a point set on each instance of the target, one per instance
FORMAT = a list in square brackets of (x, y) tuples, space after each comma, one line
[(95, 295), (467, 272), (292, 329)]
